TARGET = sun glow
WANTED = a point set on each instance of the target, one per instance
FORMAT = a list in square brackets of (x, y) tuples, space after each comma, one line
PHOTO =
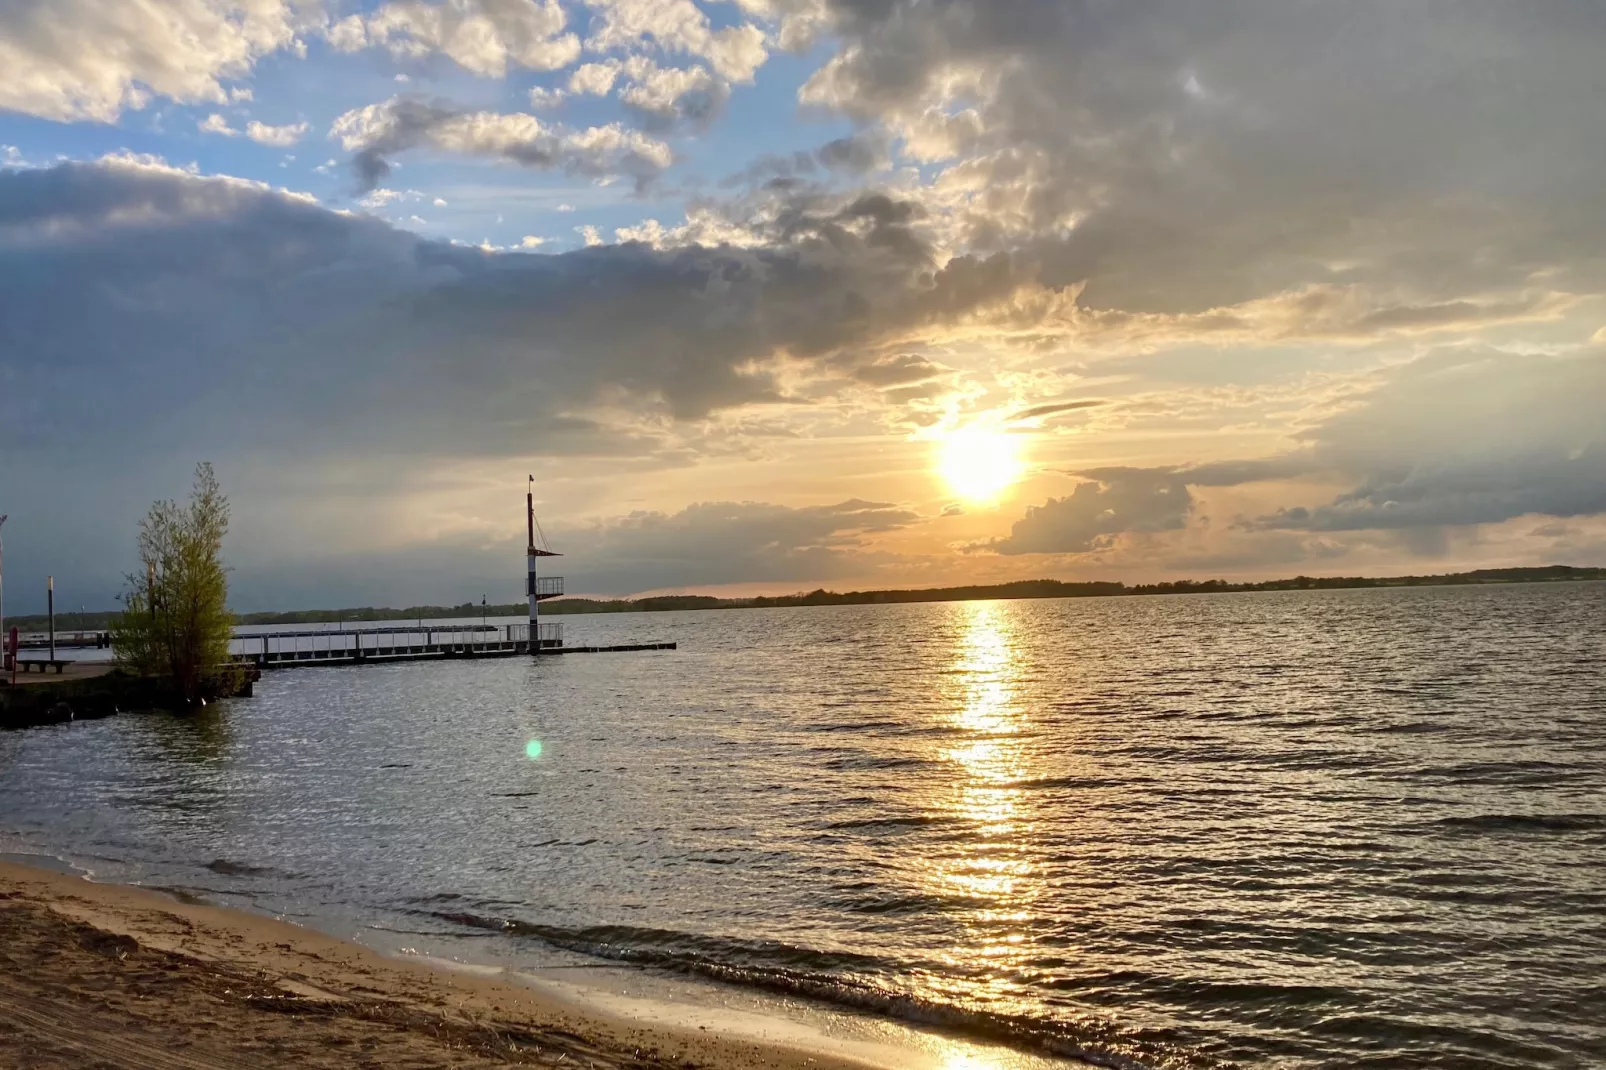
[(979, 464)]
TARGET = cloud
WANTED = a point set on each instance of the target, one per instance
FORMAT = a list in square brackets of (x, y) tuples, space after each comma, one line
[(379, 198), (93, 59), (1460, 438), (1038, 412), (857, 153), (1120, 500), (708, 543), (277, 136), (662, 96), (735, 52), (171, 306), (542, 97), (595, 79), (1317, 312), (674, 94), (482, 36), (1172, 158), (901, 370), (216, 124), (381, 131), (732, 542)]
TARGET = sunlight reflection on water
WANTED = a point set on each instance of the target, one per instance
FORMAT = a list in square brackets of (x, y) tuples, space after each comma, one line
[(1302, 829)]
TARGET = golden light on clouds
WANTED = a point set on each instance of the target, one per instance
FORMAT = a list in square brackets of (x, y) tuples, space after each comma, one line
[(979, 464)]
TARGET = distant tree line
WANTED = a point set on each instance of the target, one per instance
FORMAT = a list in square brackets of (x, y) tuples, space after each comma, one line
[(969, 593)]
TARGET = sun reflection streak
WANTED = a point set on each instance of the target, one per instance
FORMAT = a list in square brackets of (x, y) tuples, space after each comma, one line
[(990, 866)]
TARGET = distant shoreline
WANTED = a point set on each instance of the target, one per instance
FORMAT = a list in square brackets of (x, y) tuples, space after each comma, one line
[(971, 593)]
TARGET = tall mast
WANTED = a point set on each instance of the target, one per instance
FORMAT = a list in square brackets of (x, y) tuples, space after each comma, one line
[(535, 613)]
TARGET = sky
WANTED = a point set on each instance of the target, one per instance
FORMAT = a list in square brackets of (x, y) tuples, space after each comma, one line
[(770, 295)]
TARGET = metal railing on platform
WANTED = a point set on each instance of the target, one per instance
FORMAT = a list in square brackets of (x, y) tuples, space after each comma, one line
[(378, 642), (550, 634)]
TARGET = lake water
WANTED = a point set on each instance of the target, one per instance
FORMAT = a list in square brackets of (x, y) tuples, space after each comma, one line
[(1303, 829)]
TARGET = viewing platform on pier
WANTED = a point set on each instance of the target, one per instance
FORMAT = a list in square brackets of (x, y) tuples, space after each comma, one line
[(407, 642)]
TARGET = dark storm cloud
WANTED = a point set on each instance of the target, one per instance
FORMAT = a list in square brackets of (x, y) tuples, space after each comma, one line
[(149, 317), (135, 295), (1180, 156)]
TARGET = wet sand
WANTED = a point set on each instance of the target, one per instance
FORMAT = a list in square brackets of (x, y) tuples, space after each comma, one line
[(97, 975)]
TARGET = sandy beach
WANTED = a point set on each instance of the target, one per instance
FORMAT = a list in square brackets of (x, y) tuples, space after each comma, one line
[(113, 976)]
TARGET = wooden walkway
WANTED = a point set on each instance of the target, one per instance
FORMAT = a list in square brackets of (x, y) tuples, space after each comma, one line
[(413, 642)]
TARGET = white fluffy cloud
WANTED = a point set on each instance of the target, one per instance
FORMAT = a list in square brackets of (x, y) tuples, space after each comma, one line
[(662, 95), (483, 36), (736, 52), (595, 79), (216, 124), (281, 137), (277, 136), (92, 59)]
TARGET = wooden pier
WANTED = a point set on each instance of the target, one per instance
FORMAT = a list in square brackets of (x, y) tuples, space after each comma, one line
[(410, 642)]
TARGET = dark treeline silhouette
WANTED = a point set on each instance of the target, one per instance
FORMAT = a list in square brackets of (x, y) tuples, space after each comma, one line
[(969, 593)]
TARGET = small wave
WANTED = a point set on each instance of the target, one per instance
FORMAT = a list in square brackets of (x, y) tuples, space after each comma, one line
[(897, 905), (858, 726), (907, 821), (875, 761), (1530, 772), (1526, 822), (839, 978), (226, 868)]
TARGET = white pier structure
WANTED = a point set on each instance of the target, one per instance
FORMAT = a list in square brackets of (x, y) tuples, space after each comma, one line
[(539, 588)]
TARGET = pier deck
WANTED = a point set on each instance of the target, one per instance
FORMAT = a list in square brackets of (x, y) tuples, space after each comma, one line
[(411, 642)]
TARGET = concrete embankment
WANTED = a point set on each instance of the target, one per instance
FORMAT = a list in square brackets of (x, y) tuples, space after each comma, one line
[(89, 695)]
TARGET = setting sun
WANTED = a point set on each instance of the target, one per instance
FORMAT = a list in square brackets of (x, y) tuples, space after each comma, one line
[(979, 464)]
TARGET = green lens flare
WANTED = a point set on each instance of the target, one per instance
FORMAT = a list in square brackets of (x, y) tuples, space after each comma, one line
[(532, 749)]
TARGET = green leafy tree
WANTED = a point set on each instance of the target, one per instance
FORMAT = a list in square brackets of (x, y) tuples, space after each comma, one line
[(176, 624)]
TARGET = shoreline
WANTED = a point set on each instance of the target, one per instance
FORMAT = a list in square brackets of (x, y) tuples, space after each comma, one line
[(1016, 590), (131, 976)]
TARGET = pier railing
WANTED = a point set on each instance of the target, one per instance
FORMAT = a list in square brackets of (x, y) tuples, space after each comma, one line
[(550, 634), (409, 642), (378, 644)]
